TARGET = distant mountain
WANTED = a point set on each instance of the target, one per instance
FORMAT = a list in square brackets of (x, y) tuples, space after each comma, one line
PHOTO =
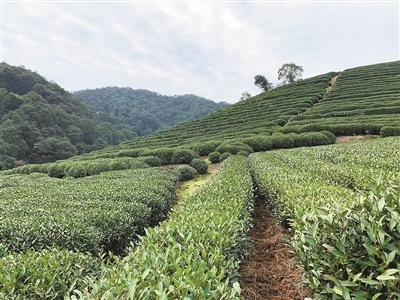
[(147, 111), (40, 121)]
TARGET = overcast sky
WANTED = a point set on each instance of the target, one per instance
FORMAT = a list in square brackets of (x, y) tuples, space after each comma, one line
[(209, 49)]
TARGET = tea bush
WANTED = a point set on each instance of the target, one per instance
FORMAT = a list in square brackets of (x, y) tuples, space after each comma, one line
[(152, 161), (243, 153), (224, 156), (182, 156), (200, 165), (390, 131), (47, 274), (185, 172), (234, 148), (214, 157)]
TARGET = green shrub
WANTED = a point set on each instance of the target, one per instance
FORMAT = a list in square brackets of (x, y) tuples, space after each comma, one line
[(310, 139), (360, 245), (279, 122), (258, 143), (330, 135), (47, 274), (224, 156), (243, 153), (390, 131), (234, 148), (182, 156), (206, 147), (152, 161), (200, 165), (280, 141), (129, 153), (214, 157), (164, 154), (185, 172)]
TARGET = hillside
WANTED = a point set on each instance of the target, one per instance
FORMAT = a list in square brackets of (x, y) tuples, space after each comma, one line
[(262, 222), (356, 101), (42, 122), (363, 100), (145, 111)]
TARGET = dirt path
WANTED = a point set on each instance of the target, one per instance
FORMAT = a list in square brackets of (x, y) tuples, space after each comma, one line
[(187, 188), (347, 138), (270, 271)]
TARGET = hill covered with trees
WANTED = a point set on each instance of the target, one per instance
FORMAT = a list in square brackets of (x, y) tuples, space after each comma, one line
[(146, 111), (42, 122)]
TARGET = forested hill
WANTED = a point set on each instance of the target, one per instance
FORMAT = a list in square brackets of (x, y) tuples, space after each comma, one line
[(40, 121), (146, 111)]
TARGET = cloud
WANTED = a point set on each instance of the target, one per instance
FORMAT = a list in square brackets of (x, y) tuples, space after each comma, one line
[(210, 49)]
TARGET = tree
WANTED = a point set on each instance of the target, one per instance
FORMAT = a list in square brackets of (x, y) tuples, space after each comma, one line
[(51, 148), (290, 73), (262, 82), (245, 96)]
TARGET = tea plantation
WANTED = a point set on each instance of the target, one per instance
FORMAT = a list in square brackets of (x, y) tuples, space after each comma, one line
[(364, 100), (111, 225)]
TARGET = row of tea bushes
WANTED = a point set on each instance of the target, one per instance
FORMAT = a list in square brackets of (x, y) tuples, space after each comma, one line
[(46, 274), (268, 142), (257, 115), (346, 236), (364, 101), (195, 254), (98, 213), (66, 168)]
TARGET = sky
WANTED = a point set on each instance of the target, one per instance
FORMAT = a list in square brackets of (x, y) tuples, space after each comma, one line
[(211, 49)]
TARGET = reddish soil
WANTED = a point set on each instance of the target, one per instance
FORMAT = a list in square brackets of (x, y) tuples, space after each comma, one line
[(347, 138), (271, 271)]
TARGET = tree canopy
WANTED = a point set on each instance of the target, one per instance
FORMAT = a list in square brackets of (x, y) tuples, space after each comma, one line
[(290, 73), (145, 111), (262, 82), (40, 121)]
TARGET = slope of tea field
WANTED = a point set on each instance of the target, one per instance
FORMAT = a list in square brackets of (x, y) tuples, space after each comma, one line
[(257, 115), (363, 100)]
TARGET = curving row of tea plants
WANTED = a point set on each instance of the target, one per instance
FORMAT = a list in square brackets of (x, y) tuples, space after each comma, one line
[(194, 254), (364, 100), (342, 203), (97, 213)]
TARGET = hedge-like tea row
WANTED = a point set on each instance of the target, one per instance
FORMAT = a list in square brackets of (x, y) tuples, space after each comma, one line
[(80, 168), (46, 274), (196, 252), (102, 212), (342, 203), (364, 100)]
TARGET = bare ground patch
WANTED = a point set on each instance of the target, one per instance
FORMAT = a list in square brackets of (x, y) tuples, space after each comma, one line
[(271, 271), (347, 138)]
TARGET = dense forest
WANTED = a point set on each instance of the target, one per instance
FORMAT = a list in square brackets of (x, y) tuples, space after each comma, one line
[(145, 111), (40, 121)]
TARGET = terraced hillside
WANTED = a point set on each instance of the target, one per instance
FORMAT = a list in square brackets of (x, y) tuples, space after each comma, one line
[(340, 204), (257, 115), (363, 100)]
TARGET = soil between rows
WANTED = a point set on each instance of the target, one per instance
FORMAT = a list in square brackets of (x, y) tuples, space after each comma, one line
[(271, 271)]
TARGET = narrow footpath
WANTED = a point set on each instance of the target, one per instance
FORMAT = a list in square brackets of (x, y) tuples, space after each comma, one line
[(271, 271), (189, 187)]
